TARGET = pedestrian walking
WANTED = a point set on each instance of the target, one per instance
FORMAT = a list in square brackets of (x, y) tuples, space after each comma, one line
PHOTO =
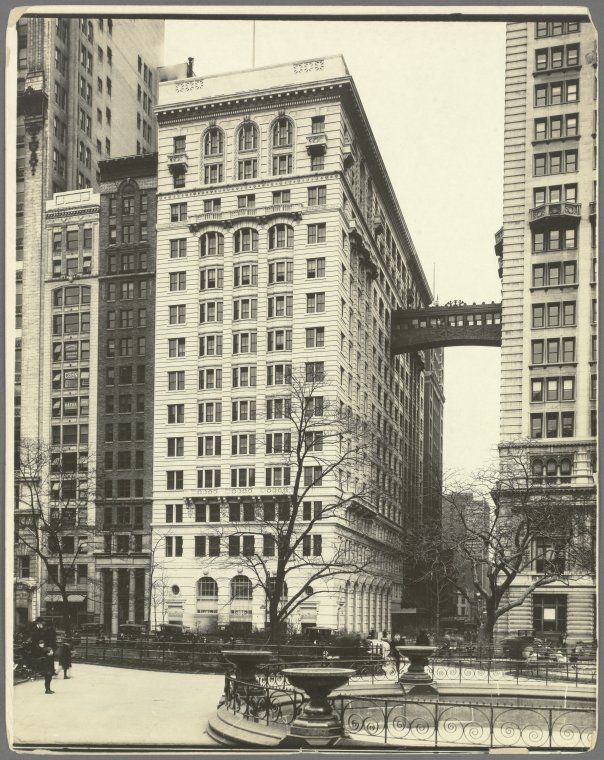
[(48, 668), (65, 657)]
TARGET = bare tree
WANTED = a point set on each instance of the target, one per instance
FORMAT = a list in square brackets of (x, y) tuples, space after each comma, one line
[(52, 515), (522, 524), (325, 443)]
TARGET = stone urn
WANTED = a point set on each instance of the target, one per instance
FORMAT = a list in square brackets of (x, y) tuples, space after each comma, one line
[(317, 724), (415, 680), (246, 662)]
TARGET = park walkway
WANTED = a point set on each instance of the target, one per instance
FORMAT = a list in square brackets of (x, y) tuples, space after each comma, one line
[(101, 706)]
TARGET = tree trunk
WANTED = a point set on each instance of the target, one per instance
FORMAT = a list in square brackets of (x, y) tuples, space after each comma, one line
[(485, 634), (66, 612)]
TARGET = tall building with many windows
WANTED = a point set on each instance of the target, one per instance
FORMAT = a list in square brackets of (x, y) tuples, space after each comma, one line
[(124, 454), (547, 251), (281, 253), (86, 88)]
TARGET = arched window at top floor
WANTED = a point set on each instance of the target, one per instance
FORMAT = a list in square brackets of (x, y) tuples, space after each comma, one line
[(247, 137), (283, 132), (213, 143)]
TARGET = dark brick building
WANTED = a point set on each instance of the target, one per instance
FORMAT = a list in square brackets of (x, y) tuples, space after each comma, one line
[(125, 387)]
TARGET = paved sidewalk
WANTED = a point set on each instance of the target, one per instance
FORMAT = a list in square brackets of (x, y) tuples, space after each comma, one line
[(102, 705)]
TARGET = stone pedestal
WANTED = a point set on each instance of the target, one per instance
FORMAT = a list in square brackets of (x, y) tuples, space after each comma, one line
[(415, 681), (317, 724)]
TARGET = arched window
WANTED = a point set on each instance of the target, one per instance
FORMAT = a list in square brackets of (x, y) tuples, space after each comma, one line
[(537, 468), (213, 142), (566, 468), (551, 469), (211, 244), (282, 133), (241, 587), (207, 587), (280, 236), (246, 239), (247, 138)]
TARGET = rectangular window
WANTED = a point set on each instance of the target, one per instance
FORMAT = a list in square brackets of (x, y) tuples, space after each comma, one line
[(316, 233)]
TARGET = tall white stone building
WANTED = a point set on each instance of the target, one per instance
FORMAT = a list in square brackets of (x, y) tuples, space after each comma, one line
[(281, 249), (548, 265)]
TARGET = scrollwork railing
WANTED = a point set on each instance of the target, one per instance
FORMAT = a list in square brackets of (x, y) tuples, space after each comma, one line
[(407, 722)]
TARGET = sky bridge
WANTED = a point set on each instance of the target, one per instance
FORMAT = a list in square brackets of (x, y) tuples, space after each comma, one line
[(454, 324)]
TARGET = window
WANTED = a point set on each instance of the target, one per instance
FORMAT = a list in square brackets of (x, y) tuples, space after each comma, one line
[(280, 236), (315, 303), (243, 477), (178, 212), (246, 240), (177, 314), (178, 281), (280, 271), (247, 137), (210, 411), (178, 248), (174, 480), (245, 308), (279, 340), (282, 164), (280, 306), (312, 545), (282, 133), (213, 142), (313, 476), (210, 311), (241, 587), (209, 445), (210, 345), (316, 233), (211, 278), (315, 268), (244, 377), (317, 196), (179, 144), (318, 124), (247, 168), (208, 478), (277, 476), (176, 414), (314, 372), (245, 274), (317, 163), (315, 337), (211, 244), (243, 410), (243, 443), (176, 381)]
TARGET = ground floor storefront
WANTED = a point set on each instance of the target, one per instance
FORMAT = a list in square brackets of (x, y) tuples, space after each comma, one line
[(560, 614)]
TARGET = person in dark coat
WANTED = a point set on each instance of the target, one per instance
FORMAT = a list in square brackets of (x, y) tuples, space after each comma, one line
[(65, 657), (422, 639), (47, 667)]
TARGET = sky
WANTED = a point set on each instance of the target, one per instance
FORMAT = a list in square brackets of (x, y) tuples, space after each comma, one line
[(434, 96)]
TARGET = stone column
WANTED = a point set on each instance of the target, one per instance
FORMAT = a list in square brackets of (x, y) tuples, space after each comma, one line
[(114, 618), (99, 596), (147, 612), (131, 593)]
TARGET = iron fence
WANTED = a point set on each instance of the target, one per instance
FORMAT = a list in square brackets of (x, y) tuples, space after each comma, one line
[(261, 704), (464, 724), (429, 723)]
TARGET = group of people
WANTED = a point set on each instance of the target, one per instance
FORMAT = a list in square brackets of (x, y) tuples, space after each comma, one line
[(42, 649)]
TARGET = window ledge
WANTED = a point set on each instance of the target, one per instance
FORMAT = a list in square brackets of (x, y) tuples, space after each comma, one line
[(548, 140), (573, 286), (553, 364), (558, 70)]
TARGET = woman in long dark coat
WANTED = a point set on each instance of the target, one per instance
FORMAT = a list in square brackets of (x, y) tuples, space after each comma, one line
[(65, 658)]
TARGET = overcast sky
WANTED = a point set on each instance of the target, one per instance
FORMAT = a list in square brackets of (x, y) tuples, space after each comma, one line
[(434, 95)]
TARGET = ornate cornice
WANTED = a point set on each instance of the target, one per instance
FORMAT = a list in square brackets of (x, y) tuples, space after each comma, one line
[(226, 106), (80, 211)]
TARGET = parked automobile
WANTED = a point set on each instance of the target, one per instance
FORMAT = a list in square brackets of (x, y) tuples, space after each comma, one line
[(171, 632), (131, 631)]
